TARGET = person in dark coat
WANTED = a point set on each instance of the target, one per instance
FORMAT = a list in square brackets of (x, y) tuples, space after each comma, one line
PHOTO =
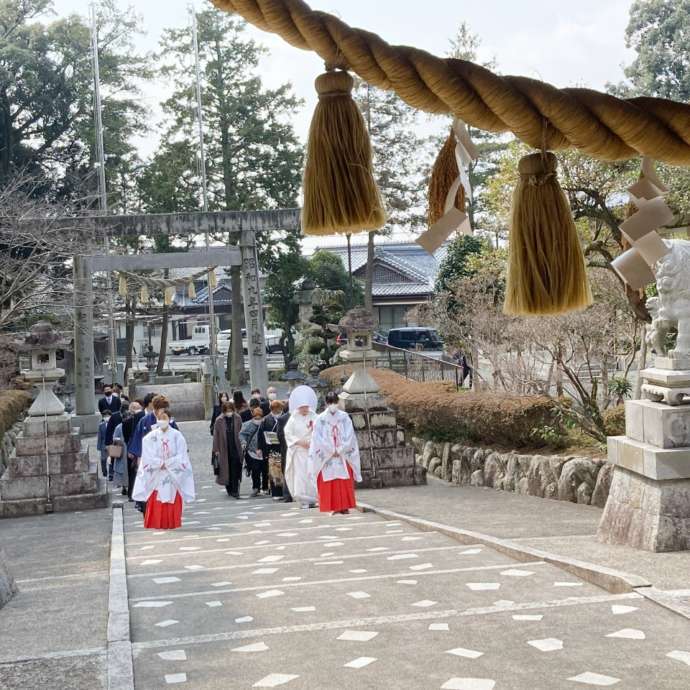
[(222, 398), (119, 391), (109, 401), (129, 425), (228, 449), (241, 406), (271, 444), (265, 404)]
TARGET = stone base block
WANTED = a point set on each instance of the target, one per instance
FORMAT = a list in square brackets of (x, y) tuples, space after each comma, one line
[(378, 419), (393, 476), (57, 425), (388, 457), (646, 514), (379, 438), (659, 425), (17, 488), (60, 504), (34, 465), (8, 588), (86, 424), (57, 443), (648, 460)]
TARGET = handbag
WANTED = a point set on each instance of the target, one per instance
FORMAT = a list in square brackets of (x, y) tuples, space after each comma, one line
[(215, 463), (275, 470), (114, 451)]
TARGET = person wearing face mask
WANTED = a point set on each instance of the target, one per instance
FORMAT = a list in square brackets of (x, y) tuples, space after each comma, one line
[(165, 478), (227, 449), (101, 445), (109, 401), (273, 449), (298, 433), (254, 461), (334, 458), (241, 406), (217, 408), (129, 425)]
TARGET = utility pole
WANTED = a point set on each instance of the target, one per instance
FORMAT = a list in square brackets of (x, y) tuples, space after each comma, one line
[(102, 191), (204, 191)]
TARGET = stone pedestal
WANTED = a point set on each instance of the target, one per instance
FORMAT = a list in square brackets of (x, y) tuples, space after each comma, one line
[(50, 471), (649, 502), (8, 588)]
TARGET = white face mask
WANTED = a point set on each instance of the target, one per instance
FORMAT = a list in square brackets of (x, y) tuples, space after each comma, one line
[(228, 414), (272, 396), (332, 408), (163, 424)]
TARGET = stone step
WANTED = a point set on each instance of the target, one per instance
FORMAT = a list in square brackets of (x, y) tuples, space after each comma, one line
[(392, 458), (392, 476), (658, 424), (60, 504), (37, 487), (57, 425), (35, 465), (56, 443), (649, 461), (380, 438)]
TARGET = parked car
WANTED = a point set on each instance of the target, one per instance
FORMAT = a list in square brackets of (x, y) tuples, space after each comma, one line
[(415, 338)]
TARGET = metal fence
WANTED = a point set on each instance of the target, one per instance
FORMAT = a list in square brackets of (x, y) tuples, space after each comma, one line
[(417, 366)]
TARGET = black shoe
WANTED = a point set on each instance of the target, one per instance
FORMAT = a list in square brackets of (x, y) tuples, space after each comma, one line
[(286, 500), (237, 496)]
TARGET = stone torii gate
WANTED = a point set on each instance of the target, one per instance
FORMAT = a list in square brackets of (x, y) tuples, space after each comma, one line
[(243, 254)]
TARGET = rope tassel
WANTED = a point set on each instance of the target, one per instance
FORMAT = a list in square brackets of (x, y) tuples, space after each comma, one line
[(546, 271), (340, 194), (443, 174)]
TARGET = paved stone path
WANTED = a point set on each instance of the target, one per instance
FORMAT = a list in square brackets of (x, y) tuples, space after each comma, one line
[(254, 593)]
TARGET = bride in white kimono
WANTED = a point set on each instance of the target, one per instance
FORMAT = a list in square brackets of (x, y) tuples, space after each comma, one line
[(298, 432), (165, 478)]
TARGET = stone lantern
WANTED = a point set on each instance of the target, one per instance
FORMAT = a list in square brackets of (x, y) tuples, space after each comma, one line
[(293, 376), (318, 384), (42, 343), (360, 390), (386, 458), (151, 363)]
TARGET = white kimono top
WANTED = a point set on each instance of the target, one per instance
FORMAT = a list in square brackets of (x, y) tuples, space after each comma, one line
[(167, 448), (333, 432), (300, 481)]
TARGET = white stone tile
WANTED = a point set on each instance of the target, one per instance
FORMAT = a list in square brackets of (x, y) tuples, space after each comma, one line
[(567, 584), (269, 594), (271, 559), (263, 542), (360, 662), (550, 644), (213, 529), (306, 521), (516, 572), (152, 561), (422, 566), (358, 571), (303, 609), (280, 548), (483, 586), (375, 549), (174, 678), (465, 653), (234, 553), (424, 603), (328, 562), (147, 548), (439, 627), (327, 554), (527, 617), (167, 623), (333, 544), (406, 582), (223, 540), (469, 684), (189, 548), (195, 567), (264, 571), (242, 517), (224, 583), (214, 604), (628, 634), (156, 604), (358, 595), (273, 680), (681, 656), (244, 619), (411, 538), (343, 529), (619, 609), (173, 655), (250, 648), (288, 534), (402, 557), (165, 580), (357, 636), (504, 602), (388, 525), (291, 579), (589, 678), (470, 552)]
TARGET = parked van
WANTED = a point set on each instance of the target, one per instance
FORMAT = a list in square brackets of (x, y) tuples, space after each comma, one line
[(415, 338)]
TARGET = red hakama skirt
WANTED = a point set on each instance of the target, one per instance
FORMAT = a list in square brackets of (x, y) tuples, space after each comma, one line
[(163, 515), (336, 495)]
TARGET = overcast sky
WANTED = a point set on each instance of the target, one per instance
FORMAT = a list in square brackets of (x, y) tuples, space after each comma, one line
[(564, 42)]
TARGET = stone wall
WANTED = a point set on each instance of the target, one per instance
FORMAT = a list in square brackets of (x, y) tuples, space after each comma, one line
[(562, 477), (7, 444)]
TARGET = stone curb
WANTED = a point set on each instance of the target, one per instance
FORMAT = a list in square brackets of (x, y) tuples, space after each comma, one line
[(120, 666), (613, 581), (668, 601)]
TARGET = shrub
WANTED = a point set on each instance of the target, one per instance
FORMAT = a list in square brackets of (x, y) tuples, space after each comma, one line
[(439, 411), (614, 421), (12, 405)]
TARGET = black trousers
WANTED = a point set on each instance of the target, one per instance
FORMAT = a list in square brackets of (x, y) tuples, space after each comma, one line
[(259, 470), (235, 474), (131, 474)]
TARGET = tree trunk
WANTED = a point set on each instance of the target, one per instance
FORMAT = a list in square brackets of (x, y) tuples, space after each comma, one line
[(641, 364), (130, 311), (350, 297), (164, 340), (369, 282)]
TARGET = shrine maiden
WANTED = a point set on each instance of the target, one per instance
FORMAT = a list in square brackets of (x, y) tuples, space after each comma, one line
[(334, 458), (164, 478), (298, 433)]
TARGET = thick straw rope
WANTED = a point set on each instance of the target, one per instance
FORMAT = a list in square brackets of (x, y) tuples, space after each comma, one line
[(603, 126)]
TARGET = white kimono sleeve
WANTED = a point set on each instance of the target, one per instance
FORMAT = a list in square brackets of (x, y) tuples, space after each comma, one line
[(350, 447), (179, 467)]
